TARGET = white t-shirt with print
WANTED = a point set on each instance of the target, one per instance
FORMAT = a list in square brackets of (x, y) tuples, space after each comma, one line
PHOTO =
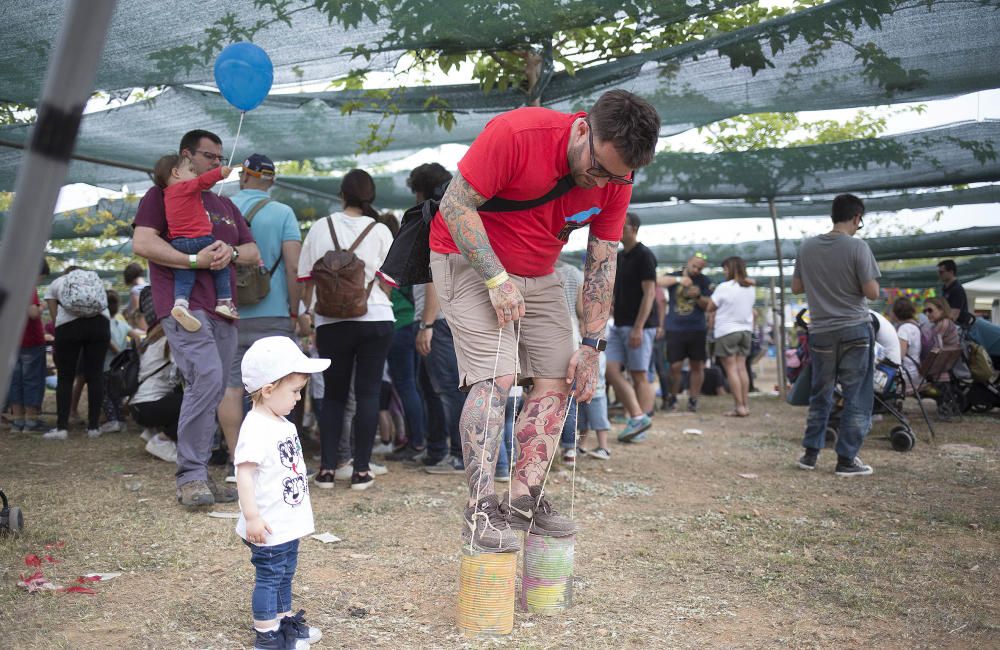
[(372, 250), (734, 308), (281, 487)]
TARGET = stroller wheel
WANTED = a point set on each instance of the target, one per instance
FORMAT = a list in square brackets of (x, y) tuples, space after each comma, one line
[(902, 438), (831, 437)]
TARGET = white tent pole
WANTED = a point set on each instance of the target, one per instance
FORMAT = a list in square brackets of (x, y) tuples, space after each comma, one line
[(68, 85), (780, 320)]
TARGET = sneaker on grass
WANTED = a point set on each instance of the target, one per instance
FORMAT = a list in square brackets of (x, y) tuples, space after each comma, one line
[(382, 449), (324, 479), (534, 513), (230, 473), (344, 472), (404, 455), (376, 469), (808, 459), (634, 427), (163, 448), (296, 628), (278, 640), (112, 426), (569, 457), (94, 433), (486, 528), (222, 493), (447, 465), (362, 481), (600, 453), (56, 434), (852, 467)]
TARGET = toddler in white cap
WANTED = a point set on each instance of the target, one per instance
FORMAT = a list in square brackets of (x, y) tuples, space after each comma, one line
[(274, 493)]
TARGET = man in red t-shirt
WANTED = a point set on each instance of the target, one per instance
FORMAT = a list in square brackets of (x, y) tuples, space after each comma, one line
[(493, 268)]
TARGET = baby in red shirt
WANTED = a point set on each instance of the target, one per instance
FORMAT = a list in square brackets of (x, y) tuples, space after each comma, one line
[(189, 229)]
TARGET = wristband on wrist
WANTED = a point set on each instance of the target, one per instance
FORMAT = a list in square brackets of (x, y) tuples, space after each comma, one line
[(497, 280), (193, 260)]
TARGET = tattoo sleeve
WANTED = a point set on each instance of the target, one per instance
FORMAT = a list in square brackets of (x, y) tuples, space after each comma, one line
[(460, 213), (537, 432), (598, 285), (480, 445)]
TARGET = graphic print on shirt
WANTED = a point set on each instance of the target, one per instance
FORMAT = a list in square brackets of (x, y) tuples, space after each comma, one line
[(222, 218), (294, 488), (578, 220)]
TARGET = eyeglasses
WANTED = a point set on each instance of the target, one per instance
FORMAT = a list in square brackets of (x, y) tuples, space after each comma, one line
[(599, 172), (212, 157), (861, 222)]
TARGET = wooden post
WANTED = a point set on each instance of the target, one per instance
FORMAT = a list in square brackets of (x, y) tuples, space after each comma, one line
[(780, 320)]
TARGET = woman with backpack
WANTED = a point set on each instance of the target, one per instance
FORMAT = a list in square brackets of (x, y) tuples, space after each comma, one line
[(78, 304), (353, 320)]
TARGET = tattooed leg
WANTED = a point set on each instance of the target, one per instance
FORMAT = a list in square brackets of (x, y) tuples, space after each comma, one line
[(479, 451), (537, 433)]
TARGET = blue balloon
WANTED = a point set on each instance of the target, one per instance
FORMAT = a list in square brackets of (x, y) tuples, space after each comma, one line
[(243, 73)]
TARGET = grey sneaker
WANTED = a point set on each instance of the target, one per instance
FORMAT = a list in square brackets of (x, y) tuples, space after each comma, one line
[(195, 493), (223, 493), (491, 533), (447, 465), (523, 514)]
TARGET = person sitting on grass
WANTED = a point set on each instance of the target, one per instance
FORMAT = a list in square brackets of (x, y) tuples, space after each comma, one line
[(275, 511), (190, 229)]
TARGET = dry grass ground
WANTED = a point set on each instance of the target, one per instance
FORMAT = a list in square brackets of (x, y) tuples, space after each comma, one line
[(678, 549)]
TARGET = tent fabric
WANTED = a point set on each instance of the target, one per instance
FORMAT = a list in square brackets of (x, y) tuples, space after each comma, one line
[(94, 220), (928, 50), (152, 44), (987, 287)]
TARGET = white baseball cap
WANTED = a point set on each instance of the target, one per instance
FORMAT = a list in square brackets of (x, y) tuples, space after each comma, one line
[(271, 358)]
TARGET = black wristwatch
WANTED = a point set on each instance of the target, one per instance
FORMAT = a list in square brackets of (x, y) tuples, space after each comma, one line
[(424, 326), (597, 344)]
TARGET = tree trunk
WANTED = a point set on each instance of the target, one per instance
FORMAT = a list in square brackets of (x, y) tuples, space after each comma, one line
[(780, 320)]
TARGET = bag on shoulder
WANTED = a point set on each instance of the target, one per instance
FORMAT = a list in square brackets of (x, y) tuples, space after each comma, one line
[(253, 282), (339, 278), (980, 364), (409, 258), (123, 374), (82, 294)]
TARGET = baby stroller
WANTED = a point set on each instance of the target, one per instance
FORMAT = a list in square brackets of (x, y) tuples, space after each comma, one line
[(888, 386), (981, 340)]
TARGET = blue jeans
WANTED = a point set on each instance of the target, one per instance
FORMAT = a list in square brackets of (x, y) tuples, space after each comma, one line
[(184, 278), (27, 382), (568, 438), (403, 369), (442, 370), (844, 357), (272, 589)]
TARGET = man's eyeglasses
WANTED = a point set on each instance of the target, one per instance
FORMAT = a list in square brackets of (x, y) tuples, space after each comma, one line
[(212, 157), (861, 222), (599, 172)]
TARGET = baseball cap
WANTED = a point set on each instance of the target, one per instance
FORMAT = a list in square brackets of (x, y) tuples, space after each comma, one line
[(273, 357), (259, 165)]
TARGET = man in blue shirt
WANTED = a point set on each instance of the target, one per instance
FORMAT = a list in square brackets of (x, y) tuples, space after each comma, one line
[(687, 328), (278, 237)]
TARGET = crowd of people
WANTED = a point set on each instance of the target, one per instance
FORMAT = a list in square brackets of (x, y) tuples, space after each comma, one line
[(494, 369)]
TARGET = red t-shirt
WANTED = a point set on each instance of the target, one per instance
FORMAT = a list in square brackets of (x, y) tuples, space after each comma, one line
[(186, 214), (521, 155), (34, 331)]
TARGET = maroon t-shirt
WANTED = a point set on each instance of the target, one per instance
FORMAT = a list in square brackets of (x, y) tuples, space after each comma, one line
[(228, 225), (34, 332)]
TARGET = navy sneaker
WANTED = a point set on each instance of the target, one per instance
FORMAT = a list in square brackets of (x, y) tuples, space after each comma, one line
[(295, 628), (852, 467), (278, 640), (809, 458)]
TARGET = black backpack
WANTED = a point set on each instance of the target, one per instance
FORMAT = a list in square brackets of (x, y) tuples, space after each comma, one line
[(123, 374), (409, 258)]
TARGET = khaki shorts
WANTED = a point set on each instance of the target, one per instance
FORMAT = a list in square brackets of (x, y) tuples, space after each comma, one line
[(733, 344), (546, 343)]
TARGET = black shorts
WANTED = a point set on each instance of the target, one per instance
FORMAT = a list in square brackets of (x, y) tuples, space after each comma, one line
[(686, 345)]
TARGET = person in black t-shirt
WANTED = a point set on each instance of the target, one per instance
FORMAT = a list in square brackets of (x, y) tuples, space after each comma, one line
[(953, 291), (630, 339)]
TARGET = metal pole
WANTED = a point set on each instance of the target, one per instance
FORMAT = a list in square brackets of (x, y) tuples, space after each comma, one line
[(780, 321), (68, 84)]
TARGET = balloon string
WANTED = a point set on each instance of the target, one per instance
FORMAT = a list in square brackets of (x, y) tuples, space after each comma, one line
[(236, 141)]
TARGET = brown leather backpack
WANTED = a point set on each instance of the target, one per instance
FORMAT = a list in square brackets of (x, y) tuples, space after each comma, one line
[(339, 278)]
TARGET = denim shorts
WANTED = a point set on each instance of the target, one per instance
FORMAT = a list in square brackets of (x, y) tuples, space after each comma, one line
[(635, 359), (27, 382), (594, 416)]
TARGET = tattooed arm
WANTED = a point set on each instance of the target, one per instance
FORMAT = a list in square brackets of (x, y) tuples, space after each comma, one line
[(459, 211), (598, 286)]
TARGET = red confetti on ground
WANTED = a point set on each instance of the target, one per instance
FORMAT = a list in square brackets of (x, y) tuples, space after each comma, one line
[(86, 579), (49, 547), (52, 560), (32, 560), (79, 590)]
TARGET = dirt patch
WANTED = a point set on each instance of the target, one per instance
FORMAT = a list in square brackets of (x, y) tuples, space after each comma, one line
[(678, 549)]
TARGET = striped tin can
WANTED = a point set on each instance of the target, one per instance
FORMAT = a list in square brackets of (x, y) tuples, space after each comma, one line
[(547, 579), (486, 593)]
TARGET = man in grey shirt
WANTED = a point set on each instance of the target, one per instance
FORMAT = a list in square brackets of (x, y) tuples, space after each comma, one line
[(838, 274)]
